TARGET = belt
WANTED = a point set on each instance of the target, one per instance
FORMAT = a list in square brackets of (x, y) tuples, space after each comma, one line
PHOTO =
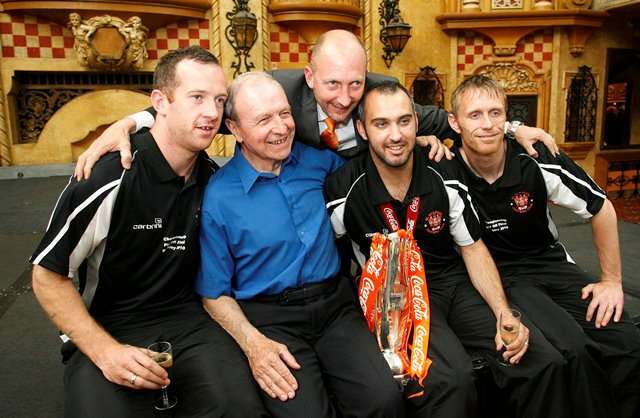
[(296, 295)]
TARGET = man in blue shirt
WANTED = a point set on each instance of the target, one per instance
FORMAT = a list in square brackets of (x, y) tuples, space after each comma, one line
[(274, 285)]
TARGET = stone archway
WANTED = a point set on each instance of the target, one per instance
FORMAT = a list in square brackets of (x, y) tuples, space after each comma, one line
[(63, 137)]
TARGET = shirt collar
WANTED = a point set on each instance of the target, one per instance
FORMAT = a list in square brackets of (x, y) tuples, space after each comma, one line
[(158, 165), (249, 175), (420, 185), (511, 175)]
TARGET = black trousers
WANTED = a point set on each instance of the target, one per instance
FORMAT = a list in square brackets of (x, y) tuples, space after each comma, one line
[(604, 364), (342, 371), (461, 322), (210, 375)]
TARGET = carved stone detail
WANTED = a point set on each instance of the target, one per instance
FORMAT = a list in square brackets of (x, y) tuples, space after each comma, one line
[(108, 42), (35, 108), (514, 78)]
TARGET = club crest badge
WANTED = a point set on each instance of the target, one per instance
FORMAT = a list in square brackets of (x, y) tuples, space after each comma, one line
[(521, 202), (434, 222)]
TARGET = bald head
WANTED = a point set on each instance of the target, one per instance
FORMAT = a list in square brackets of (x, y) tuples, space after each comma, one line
[(337, 74), (338, 43), (251, 79)]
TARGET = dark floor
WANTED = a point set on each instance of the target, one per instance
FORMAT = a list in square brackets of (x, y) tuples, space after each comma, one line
[(30, 370)]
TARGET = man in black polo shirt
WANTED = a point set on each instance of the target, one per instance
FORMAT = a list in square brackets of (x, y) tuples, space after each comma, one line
[(131, 239), (375, 192), (510, 190)]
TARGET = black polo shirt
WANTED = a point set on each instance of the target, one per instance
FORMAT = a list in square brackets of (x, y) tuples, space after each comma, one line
[(514, 211), (355, 192), (129, 236)]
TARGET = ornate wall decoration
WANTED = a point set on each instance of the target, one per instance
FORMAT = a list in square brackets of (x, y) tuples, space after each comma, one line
[(108, 42), (35, 108), (39, 95), (582, 102), (514, 78), (507, 4)]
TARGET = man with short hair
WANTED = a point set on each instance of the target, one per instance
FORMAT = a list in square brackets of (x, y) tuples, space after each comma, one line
[(270, 269), (510, 191), (130, 237), (330, 87), (394, 185)]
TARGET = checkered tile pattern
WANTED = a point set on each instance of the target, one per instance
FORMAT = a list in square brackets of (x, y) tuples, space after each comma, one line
[(287, 46), (473, 47), (535, 48), (178, 35), (33, 37)]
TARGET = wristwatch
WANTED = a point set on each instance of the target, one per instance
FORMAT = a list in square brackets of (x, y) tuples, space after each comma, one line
[(510, 128)]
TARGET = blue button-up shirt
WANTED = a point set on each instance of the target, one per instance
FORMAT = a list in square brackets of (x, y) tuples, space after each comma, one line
[(263, 233)]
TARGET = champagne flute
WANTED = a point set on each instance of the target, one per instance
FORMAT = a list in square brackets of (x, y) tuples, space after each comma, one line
[(162, 353), (509, 323)]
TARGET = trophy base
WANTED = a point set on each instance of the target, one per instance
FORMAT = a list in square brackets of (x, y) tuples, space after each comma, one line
[(402, 379), (396, 366)]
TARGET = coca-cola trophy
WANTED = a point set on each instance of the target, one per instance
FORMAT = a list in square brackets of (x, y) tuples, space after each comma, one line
[(393, 297)]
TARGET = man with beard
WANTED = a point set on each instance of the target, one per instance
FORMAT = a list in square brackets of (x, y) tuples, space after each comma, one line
[(394, 185)]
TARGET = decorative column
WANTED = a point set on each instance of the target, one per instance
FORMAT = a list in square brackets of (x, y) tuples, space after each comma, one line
[(542, 5), (470, 5), (5, 139)]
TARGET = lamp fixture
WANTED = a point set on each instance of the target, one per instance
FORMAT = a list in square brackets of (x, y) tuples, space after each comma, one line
[(394, 32), (241, 34)]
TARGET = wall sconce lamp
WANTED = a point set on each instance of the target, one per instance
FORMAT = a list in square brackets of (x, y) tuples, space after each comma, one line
[(241, 34), (394, 32)]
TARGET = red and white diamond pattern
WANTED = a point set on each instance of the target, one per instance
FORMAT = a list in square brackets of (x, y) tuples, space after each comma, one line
[(536, 48), (287, 46), (33, 37)]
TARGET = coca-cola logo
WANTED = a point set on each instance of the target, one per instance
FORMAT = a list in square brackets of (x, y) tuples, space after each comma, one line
[(391, 218), (375, 264), (365, 289), (419, 302), (415, 261), (418, 354)]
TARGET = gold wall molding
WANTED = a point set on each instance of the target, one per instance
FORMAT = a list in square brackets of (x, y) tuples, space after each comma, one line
[(311, 18), (5, 140), (155, 14), (108, 42), (506, 28)]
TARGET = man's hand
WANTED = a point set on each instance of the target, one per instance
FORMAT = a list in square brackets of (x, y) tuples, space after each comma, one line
[(513, 352), (607, 301), (270, 362), (131, 367), (114, 138), (438, 149), (527, 136)]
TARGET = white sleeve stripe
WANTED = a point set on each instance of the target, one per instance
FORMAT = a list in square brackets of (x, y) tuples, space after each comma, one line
[(457, 226), (337, 221), (456, 184), (57, 202), (73, 215), (560, 194), (335, 202), (338, 201), (558, 167), (574, 178)]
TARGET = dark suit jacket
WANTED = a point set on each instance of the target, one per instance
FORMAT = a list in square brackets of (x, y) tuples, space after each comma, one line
[(432, 120)]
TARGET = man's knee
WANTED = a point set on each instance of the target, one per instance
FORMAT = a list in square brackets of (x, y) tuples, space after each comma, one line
[(89, 394)]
